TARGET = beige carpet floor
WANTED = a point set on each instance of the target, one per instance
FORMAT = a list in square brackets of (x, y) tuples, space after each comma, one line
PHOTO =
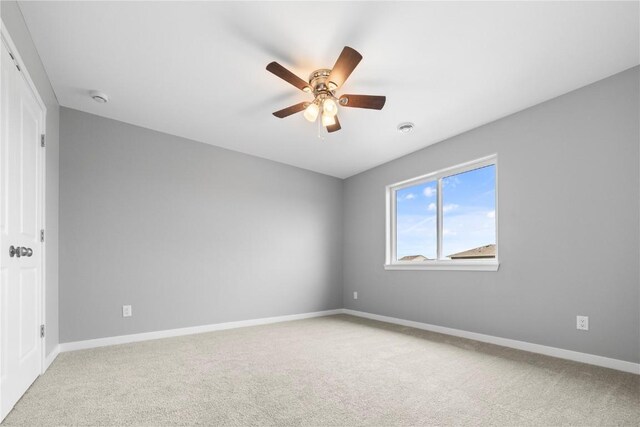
[(337, 370)]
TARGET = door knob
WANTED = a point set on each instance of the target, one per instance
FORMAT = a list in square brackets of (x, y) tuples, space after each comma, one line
[(18, 251)]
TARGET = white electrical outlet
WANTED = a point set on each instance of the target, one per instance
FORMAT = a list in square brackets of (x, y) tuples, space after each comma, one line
[(355, 295), (126, 311), (582, 323)]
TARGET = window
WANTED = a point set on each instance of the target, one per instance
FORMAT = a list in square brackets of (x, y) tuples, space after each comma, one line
[(446, 220)]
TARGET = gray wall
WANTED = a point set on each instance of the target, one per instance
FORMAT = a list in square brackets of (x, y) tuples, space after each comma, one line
[(568, 232), (12, 18), (191, 234), (187, 233)]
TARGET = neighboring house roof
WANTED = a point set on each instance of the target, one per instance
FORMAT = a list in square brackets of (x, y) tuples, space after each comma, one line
[(413, 258), (488, 251)]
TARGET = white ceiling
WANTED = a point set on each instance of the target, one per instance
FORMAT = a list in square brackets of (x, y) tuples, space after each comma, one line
[(197, 70)]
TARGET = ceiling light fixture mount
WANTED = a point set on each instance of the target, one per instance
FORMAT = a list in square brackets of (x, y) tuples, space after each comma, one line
[(99, 97), (323, 84)]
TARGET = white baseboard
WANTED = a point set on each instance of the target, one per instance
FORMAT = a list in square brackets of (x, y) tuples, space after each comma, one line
[(620, 365), (592, 359), (124, 339), (51, 357)]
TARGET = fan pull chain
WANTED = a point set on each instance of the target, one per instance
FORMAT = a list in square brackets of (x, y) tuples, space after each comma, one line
[(320, 135)]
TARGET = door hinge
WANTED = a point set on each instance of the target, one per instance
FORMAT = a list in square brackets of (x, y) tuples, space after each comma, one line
[(41, 331), (15, 61), (42, 235), (42, 140)]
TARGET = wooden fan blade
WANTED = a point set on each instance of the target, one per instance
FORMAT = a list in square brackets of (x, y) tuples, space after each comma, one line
[(363, 101), (285, 112), (335, 127), (347, 61), (288, 76)]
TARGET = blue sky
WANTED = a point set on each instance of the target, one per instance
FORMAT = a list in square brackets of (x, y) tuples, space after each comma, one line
[(469, 214)]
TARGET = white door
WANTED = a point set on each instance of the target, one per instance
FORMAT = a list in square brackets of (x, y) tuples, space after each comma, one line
[(20, 223)]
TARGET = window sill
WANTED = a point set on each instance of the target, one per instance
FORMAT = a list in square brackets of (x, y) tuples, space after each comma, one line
[(446, 265)]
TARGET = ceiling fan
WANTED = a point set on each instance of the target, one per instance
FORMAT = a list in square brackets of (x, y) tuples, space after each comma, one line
[(323, 84)]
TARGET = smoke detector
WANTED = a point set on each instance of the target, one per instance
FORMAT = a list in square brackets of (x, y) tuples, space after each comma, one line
[(99, 97), (405, 127)]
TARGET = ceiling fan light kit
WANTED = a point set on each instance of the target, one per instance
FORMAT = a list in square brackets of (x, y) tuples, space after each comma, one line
[(323, 83)]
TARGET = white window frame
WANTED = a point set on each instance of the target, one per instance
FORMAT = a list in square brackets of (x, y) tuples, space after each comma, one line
[(391, 263)]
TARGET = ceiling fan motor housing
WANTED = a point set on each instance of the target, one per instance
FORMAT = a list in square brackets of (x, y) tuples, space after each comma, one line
[(319, 82)]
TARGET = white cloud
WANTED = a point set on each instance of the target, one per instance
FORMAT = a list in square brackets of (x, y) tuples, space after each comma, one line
[(451, 181), (429, 191), (445, 208), (410, 196), (447, 232), (413, 225), (491, 214)]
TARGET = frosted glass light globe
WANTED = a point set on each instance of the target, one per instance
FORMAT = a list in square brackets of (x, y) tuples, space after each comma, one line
[(330, 107), (328, 120), (311, 112)]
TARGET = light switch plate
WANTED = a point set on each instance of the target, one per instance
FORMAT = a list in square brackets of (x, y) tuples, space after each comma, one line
[(126, 311)]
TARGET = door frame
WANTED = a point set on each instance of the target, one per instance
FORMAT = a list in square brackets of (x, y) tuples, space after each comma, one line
[(5, 38)]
